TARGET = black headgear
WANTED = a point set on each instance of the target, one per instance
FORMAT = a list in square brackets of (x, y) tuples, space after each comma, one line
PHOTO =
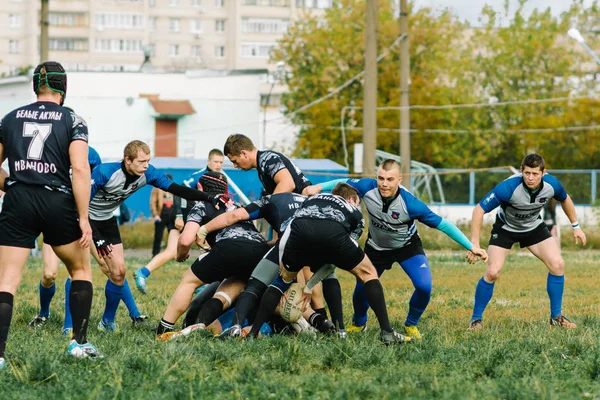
[(55, 78), (213, 183)]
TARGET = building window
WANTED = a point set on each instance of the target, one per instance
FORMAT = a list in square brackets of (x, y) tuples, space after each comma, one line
[(220, 3), (119, 21), (152, 3), (267, 3), (196, 3), (197, 53), (14, 20), (173, 50), (265, 25), (68, 44), (152, 24), (257, 50), (313, 3), (13, 46), (117, 45), (220, 51), (173, 3), (195, 26), (220, 25), (174, 24)]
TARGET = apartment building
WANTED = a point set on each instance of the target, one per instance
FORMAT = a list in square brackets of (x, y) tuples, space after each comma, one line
[(111, 35)]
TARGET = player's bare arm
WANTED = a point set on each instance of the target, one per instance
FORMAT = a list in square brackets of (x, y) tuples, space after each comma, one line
[(188, 236), (312, 190), (569, 209), (78, 154), (285, 182)]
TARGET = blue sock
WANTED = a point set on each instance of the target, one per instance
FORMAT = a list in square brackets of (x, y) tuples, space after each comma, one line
[(130, 301), (46, 295), (417, 269), (360, 302), (113, 293), (68, 319), (555, 285), (145, 271), (483, 295)]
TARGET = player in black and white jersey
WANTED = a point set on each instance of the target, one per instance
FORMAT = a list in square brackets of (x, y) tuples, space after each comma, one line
[(521, 199), (43, 141), (234, 253), (276, 172), (324, 231)]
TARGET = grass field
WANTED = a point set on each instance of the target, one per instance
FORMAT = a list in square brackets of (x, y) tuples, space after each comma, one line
[(516, 356)]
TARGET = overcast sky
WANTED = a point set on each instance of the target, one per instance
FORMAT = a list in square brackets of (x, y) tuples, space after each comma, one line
[(471, 9)]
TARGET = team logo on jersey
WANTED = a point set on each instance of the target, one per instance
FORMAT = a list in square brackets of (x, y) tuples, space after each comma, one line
[(543, 200), (395, 215), (134, 186)]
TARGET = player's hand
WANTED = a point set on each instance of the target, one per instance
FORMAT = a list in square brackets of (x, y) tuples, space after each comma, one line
[(182, 258), (179, 223), (311, 190), (476, 253), (579, 234), (156, 220), (220, 200), (86, 233), (103, 247)]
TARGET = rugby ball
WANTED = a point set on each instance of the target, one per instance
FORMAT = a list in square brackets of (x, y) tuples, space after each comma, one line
[(288, 309)]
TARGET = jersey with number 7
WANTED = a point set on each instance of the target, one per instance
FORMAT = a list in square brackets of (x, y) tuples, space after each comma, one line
[(36, 140)]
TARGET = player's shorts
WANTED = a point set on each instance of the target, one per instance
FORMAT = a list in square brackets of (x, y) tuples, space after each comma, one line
[(109, 230), (29, 210), (383, 259), (505, 239), (168, 218), (313, 242), (229, 259)]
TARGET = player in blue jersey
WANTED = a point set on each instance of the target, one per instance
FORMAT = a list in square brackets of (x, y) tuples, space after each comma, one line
[(393, 237), (44, 142), (112, 183), (215, 164), (51, 262), (521, 198)]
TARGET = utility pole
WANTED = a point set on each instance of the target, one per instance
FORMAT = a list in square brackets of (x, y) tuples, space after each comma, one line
[(370, 90), (44, 32), (405, 95)]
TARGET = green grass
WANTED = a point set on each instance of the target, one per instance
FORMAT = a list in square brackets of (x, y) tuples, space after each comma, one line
[(516, 356)]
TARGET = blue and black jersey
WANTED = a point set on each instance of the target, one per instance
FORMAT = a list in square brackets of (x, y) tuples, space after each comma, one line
[(36, 140), (276, 209), (269, 163), (111, 185), (520, 207), (93, 158)]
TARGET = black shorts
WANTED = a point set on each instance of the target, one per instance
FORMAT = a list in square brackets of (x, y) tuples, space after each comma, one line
[(383, 259), (29, 210), (168, 218), (108, 229), (313, 242), (505, 239), (229, 259)]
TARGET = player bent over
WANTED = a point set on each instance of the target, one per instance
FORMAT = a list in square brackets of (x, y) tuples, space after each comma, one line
[(521, 198)]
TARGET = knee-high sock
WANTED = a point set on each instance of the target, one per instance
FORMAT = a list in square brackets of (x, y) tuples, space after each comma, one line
[(376, 298), (268, 304), (113, 294), (555, 286), (81, 303), (129, 301), (417, 269), (248, 301), (6, 310), (207, 291), (360, 302), (333, 296), (483, 295), (68, 323), (210, 311), (46, 295)]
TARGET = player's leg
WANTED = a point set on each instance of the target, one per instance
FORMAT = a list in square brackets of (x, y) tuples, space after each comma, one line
[(159, 231), (317, 299), (226, 294), (332, 291), (180, 300), (485, 287), (418, 270), (113, 291), (549, 253), (47, 286), (169, 254), (206, 293)]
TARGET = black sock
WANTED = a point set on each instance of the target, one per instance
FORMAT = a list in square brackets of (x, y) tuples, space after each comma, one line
[(320, 323), (247, 302), (267, 306), (333, 296), (164, 326), (80, 304), (374, 292), (196, 305), (210, 311), (321, 311), (6, 307)]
